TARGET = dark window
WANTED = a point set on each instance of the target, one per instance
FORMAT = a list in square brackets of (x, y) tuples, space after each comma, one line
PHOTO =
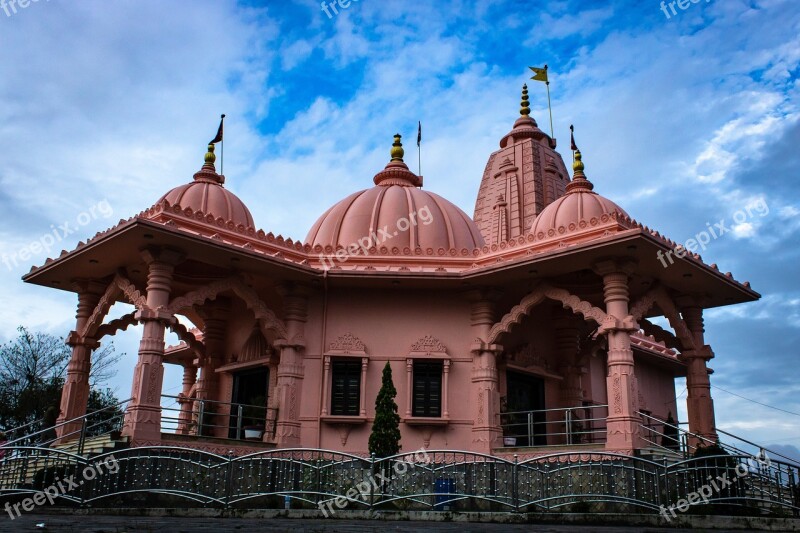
[(346, 388), (427, 388)]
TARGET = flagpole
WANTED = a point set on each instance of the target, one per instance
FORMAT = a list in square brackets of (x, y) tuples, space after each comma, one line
[(419, 148), (549, 107), (222, 150)]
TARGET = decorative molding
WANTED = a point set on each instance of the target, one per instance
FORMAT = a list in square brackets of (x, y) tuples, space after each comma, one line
[(428, 345), (348, 344), (527, 356)]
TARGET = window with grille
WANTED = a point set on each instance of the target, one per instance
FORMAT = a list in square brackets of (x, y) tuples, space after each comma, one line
[(427, 389), (345, 387)]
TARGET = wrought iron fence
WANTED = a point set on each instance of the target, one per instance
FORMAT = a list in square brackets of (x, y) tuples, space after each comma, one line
[(423, 480)]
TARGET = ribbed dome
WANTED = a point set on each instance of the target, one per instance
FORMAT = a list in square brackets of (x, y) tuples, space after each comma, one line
[(207, 194), (439, 223), (579, 204)]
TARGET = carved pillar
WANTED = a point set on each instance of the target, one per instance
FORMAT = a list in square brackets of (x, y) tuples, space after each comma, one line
[(485, 394), (215, 323), (143, 416), (567, 346), (290, 369), (75, 394), (185, 416), (623, 422), (699, 403)]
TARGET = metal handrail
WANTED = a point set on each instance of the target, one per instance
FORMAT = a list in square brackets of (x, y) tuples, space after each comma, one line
[(81, 419), (761, 448), (199, 414), (534, 420)]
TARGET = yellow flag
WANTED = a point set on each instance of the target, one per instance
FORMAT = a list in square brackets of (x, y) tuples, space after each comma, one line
[(540, 73)]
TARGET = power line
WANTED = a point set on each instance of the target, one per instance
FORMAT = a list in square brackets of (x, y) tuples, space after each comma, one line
[(754, 401)]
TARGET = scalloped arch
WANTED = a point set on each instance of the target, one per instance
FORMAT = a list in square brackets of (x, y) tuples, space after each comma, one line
[(658, 295), (540, 293), (271, 325)]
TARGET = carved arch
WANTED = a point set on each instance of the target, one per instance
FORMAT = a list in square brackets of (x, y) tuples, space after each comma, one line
[(662, 335), (119, 286), (659, 295), (115, 325), (188, 337), (272, 327), (540, 293)]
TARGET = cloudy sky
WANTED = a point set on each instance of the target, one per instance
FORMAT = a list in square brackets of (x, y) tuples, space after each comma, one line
[(684, 119)]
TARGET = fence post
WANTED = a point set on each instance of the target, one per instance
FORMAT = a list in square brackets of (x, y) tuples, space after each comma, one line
[(568, 422), (515, 483), (228, 479), (84, 485), (372, 481), (81, 438)]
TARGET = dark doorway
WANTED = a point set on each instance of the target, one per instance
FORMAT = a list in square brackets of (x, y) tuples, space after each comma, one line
[(250, 389), (525, 393)]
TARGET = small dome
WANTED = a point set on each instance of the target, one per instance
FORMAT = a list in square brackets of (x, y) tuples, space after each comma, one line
[(386, 211), (580, 203), (207, 194)]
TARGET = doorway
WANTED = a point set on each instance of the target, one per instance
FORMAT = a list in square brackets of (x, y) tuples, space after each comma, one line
[(525, 393), (250, 392)]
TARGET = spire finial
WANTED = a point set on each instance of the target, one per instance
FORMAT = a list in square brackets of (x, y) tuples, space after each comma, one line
[(525, 105), (577, 164), (397, 148), (210, 157)]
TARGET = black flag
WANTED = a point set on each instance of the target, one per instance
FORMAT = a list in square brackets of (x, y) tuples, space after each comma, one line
[(218, 138), (419, 133), (572, 145)]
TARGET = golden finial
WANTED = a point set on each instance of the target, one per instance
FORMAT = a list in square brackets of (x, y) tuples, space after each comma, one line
[(210, 157), (525, 105), (397, 148), (577, 164)]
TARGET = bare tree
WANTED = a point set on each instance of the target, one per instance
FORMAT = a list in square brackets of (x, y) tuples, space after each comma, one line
[(32, 371)]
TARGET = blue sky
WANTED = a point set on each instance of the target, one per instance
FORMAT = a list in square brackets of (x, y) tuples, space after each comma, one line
[(683, 121)]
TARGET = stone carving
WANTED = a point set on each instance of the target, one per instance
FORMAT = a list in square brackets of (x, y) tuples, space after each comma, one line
[(348, 343), (528, 356), (428, 345)]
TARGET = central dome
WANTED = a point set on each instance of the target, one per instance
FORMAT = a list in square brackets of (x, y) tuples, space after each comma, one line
[(396, 213)]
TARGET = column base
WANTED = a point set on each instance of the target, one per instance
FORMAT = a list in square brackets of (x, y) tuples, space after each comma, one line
[(143, 424)]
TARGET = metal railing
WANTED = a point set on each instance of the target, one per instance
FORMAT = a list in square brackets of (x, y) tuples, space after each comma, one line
[(94, 423), (672, 437), (211, 418), (554, 427), (585, 481)]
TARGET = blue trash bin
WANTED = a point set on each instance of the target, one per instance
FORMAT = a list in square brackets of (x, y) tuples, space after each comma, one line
[(444, 488)]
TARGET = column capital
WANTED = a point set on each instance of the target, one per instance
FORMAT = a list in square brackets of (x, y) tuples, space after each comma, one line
[(483, 294), (478, 347), (613, 265), (91, 287), (145, 314), (156, 254), (705, 353), (74, 339)]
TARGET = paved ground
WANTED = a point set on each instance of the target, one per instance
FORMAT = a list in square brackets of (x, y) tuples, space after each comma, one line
[(122, 524)]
